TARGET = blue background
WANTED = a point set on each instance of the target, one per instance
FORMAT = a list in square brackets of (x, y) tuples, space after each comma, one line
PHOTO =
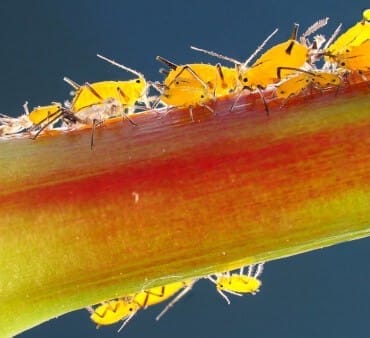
[(320, 294)]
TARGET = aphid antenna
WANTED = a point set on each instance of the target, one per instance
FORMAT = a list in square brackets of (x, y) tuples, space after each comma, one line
[(175, 300), (128, 69), (313, 28), (333, 36), (259, 48), (217, 55), (168, 63), (72, 83)]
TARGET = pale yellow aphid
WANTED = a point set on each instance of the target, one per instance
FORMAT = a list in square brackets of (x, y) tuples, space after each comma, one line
[(302, 79), (124, 308), (113, 311), (39, 118), (238, 283), (354, 36)]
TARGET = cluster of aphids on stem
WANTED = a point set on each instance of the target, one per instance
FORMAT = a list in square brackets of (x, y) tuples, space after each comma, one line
[(287, 69), (122, 309)]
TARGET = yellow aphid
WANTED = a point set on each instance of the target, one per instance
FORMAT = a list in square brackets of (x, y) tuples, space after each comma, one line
[(264, 70), (219, 80), (113, 311), (39, 118), (298, 82), (353, 37), (238, 283), (124, 308), (124, 94), (355, 59), (195, 84), (43, 114)]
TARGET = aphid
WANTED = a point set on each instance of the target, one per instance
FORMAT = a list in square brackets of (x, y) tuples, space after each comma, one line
[(195, 84), (356, 58), (113, 311), (353, 37), (302, 79), (264, 70), (39, 118), (127, 93), (124, 308), (238, 283)]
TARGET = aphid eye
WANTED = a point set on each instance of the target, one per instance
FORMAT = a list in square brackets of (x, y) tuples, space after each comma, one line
[(177, 82), (202, 96), (138, 81), (245, 79), (343, 64)]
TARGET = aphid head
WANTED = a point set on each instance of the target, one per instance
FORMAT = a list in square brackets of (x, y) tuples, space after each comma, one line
[(222, 282)]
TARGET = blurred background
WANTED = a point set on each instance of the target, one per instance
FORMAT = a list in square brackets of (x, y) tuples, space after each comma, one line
[(321, 294)]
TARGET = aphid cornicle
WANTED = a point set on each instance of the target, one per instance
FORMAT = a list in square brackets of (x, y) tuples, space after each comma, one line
[(125, 308), (238, 283)]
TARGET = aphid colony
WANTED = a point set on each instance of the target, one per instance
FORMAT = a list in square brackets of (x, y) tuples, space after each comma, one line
[(287, 69), (124, 308)]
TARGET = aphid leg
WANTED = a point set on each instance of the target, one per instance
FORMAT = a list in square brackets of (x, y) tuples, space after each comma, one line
[(175, 300), (250, 270), (237, 99), (49, 120), (193, 73), (93, 91), (207, 107), (124, 114), (224, 296), (151, 293), (259, 270), (90, 309), (214, 281), (95, 124), (191, 113), (127, 320), (260, 91)]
